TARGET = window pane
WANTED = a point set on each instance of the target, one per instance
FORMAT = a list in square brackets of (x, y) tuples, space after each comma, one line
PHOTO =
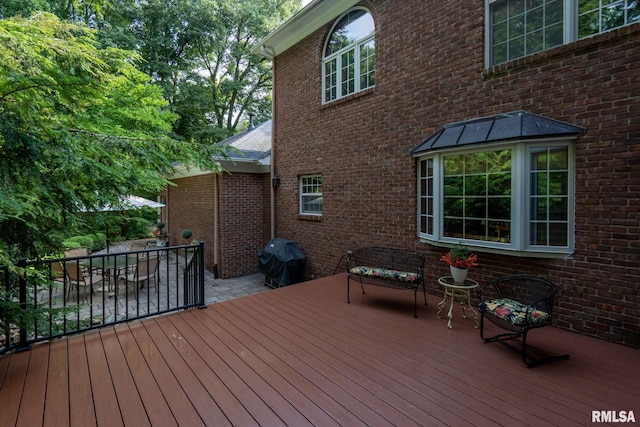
[(367, 65), (475, 208), (499, 231), (549, 203), (475, 229), (453, 186), (475, 185), (558, 158), (499, 208), (558, 183), (454, 206), (521, 27), (347, 73), (426, 196), (597, 16), (330, 80), (558, 233), (354, 26), (453, 228), (535, 42), (553, 36), (588, 24), (558, 208), (470, 186)]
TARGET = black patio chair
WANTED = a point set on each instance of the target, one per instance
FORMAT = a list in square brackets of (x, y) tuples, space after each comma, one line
[(518, 304)]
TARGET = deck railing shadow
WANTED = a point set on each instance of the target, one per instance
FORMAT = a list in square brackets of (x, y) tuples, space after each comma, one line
[(57, 297)]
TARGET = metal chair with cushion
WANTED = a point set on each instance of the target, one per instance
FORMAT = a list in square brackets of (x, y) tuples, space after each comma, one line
[(518, 304)]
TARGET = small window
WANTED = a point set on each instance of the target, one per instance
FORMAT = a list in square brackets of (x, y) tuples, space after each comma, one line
[(349, 57), (311, 195), (517, 28)]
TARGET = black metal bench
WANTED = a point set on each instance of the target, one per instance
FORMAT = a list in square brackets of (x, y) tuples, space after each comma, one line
[(518, 304), (388, 267)]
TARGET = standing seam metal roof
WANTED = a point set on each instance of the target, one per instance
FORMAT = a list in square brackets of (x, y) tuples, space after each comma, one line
[(513, 125)]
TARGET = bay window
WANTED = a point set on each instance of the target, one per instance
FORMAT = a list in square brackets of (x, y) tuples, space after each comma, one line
[(513, 196)]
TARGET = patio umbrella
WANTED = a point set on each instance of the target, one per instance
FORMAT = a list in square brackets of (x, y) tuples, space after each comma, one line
[(128, 203)]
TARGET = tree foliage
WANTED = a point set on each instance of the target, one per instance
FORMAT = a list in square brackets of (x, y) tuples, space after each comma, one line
[(79, 127), (198, 51)]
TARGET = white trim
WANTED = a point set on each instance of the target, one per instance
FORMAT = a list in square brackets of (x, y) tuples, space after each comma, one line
[(305, 22)]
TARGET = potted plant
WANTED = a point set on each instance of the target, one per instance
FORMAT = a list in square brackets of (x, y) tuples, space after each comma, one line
[(460, 259), (161, 236), (186, 235)]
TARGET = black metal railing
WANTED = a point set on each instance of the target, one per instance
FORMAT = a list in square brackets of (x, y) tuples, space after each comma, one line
[(57, 297)]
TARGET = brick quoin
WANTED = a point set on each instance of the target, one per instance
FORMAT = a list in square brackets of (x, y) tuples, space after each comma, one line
[(429, 72)]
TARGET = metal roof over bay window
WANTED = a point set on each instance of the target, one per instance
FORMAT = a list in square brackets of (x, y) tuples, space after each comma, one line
[(502, 127)]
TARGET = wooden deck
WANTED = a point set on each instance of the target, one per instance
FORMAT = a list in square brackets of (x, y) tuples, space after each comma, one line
[(301, 355)]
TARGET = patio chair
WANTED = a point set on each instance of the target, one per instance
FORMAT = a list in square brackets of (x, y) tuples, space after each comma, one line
[(72, 253), (138, 246), (145, 270), (518, 304), (81, 278)]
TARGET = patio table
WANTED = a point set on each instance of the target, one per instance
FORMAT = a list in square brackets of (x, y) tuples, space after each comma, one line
[(460, 292), (112, 265)]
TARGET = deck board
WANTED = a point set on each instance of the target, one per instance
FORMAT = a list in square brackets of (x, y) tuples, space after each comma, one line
[(56, 410), (301, 355), (129, 401), (106, 403), (36, 384)]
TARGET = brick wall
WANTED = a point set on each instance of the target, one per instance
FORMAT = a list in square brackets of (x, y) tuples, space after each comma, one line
[(243, 218), (430, 72)]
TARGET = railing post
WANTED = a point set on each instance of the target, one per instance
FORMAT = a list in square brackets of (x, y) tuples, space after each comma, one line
[(201, 275), (22, 283)]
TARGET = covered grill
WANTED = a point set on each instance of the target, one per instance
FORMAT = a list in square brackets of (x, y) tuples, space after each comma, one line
[(282, 262)]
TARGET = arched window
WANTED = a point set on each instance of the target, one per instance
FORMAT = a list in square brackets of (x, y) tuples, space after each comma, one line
[(349, 56)]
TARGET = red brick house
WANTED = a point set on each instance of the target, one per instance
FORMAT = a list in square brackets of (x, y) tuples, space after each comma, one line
[(228, 211), (511, 126)]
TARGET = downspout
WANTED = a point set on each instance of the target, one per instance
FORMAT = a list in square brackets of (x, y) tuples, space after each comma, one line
[(274, 133), (216, 228)]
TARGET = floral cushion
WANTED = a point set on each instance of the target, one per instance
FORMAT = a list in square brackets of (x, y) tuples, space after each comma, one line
[(515, 312), (385, 274)]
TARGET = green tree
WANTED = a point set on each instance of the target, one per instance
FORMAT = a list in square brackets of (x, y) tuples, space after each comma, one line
[(79, 127), (199, 52)]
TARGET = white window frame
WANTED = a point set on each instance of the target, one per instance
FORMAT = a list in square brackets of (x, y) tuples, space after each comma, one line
[(570, 28), (520, 200), (337, 58), (305, 194)]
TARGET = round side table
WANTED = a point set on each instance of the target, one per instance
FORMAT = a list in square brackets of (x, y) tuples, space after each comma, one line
[(457, 291)]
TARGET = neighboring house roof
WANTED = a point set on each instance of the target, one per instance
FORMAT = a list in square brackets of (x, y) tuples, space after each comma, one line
[(251, 153), (307, 20), (514, 125)]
